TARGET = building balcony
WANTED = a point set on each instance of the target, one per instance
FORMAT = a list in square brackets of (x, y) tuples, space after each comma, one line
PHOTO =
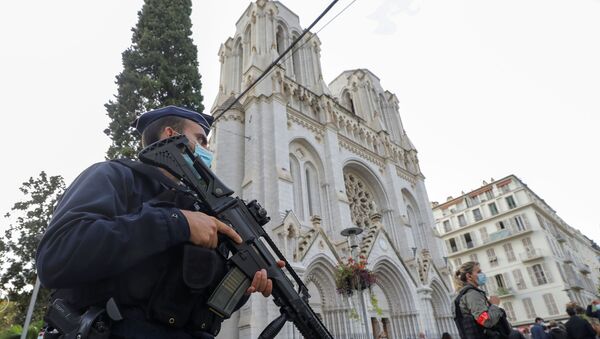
[(584, 268), (492, 238), (505, 292), (532, 254), (504, 234), (568, 258), (560, 238), (575, 283)]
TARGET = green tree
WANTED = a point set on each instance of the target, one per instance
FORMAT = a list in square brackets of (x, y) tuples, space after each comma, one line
[(18, 246), (160, 68)]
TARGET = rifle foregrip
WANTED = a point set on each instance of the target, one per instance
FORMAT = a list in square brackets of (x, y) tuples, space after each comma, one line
[(229, 293)]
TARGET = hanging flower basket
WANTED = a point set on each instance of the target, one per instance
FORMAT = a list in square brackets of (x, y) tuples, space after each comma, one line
[(353, 276)]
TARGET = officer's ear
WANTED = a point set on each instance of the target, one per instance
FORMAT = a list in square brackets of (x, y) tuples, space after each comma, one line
[(168, 132)]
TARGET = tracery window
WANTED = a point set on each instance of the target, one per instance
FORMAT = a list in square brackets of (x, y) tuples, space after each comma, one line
[(362, 204)]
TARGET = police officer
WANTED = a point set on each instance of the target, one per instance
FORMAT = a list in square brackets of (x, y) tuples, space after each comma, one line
[(122, 230), (476, 316)]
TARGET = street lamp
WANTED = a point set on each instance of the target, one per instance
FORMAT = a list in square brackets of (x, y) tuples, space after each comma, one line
[(351, 235)]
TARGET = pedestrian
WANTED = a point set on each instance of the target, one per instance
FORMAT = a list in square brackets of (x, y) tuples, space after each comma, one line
[(475, 315), (555, 331), (537, 330), (577, 327)]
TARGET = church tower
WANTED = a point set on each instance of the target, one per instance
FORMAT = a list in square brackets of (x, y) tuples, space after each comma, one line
[(322, 158)]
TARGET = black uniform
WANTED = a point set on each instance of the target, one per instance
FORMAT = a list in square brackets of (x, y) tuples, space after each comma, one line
[(117, 233)]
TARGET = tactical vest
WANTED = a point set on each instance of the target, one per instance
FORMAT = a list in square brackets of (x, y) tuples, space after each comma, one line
[(466, 324)]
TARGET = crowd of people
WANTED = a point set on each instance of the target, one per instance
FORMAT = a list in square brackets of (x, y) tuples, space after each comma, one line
[(582, 324), (478, 316)]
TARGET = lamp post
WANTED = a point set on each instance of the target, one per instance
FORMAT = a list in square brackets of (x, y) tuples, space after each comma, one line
[(351, 235)]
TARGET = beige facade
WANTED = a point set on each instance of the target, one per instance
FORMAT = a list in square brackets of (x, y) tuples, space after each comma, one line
[(535, 261)]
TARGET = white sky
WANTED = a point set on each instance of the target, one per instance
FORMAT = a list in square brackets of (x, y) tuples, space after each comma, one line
[(487, 88)]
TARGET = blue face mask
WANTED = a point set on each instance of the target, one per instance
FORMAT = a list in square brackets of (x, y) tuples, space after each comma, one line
[(205, 155), (201, 153), (481, 279)]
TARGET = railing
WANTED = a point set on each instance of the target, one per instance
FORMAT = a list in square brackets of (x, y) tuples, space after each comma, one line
[(505, 233), (505, 292), (531, 254), (575, 283)]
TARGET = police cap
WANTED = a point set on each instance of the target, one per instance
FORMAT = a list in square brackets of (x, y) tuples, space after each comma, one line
[(147, 118)]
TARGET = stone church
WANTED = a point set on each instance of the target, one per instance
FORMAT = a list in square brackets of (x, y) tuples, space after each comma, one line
[(321, 158)]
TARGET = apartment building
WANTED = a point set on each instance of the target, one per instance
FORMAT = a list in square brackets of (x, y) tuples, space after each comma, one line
[(535, 262)]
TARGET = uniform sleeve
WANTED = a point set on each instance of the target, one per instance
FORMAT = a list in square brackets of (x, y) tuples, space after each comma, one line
[(484, 315), (94, 235)]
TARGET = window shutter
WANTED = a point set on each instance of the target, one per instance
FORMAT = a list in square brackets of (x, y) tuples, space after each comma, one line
[(560, 271), (484, 234), (462, 242), (547, 273), (525, 221), (534, 281), (506, 280), (519, 281), (492, 285)]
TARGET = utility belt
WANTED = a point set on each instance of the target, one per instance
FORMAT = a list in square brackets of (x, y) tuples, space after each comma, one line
[(177, 302)]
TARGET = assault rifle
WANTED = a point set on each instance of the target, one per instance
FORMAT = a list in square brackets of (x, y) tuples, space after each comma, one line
[(247, 219)]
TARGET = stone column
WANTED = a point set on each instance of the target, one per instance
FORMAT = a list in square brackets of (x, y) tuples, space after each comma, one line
[(426, 321)]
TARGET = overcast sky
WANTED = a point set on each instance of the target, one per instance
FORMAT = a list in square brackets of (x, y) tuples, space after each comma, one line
[(486, 88)]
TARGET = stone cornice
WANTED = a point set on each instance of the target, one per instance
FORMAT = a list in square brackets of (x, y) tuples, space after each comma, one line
[(361, 151), (305, 122), (406, 175)]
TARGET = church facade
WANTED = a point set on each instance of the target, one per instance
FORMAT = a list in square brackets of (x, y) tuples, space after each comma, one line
[(322, 158)]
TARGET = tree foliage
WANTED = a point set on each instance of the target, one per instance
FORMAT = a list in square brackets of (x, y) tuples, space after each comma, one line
[(160, 68), (18, 245)]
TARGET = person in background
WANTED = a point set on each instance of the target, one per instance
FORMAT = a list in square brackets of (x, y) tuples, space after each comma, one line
[(526, 333), (577, 327), (555, 331), (475, 315), (537, 330), (593, 309), (515, 334), (446, 335)]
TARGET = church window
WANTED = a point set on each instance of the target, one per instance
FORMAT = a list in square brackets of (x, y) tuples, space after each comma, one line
[(279, 38), (297, 187), (361, 200), (296, 61), (348, 102), (312, 190)]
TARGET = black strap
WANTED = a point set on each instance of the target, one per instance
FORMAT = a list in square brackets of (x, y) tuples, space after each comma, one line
[(458, 316), (151, 172), (462, 292)]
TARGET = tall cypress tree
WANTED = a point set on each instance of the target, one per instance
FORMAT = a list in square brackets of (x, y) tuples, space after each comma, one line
[(160, 68)]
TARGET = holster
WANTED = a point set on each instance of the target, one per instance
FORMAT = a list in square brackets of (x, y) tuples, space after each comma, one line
[(72, 324)]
